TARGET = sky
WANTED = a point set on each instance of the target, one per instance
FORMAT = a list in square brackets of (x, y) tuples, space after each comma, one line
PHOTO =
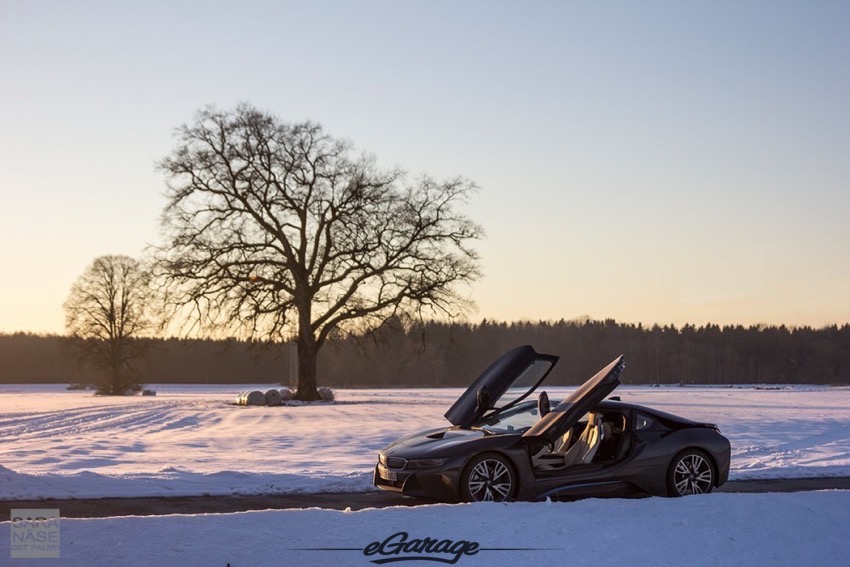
[(655, 162)]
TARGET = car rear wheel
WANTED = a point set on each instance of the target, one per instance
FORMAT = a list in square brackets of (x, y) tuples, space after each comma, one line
[(489, 477), (691, 472)]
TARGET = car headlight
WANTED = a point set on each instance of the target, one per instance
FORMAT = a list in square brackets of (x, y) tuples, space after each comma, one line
[(425, 463), (382, 459)]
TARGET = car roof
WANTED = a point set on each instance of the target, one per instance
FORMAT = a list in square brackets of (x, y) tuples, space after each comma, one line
[(662, 415)]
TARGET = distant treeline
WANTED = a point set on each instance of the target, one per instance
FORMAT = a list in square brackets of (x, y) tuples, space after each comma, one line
[(439, 354), (26, 358)]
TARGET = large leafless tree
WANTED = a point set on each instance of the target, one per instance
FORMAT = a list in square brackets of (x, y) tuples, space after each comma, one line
[(105, 312), (283, 231)]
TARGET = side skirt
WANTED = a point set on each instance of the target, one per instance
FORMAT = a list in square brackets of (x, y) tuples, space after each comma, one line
[(586, 489)]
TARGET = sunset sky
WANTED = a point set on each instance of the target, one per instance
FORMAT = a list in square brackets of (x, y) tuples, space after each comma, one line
[(666, 162)]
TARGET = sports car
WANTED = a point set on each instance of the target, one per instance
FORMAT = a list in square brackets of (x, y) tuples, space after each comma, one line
[(504, 446)]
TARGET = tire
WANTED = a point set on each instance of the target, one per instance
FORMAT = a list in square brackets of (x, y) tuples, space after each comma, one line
[(489, 477), (691, 472)]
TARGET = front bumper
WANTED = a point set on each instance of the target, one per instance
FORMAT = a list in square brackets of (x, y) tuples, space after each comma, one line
[(440, 484)]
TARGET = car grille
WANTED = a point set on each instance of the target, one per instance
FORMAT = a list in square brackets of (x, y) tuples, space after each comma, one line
[(396, 462)]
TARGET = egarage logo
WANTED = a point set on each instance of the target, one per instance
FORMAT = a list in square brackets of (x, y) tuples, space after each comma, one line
[(401, 547), (398, 547)]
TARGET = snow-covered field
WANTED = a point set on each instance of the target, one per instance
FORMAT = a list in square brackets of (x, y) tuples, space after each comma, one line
[(807, 528), (191, 440)]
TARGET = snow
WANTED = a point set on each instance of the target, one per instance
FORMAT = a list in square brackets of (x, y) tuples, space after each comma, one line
[(191, 440), (194, 440), (715, 529)]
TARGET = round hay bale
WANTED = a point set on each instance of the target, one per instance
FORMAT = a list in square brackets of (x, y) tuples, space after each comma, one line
[(285, 394), (255, 398), (326, 394), (273, 398)]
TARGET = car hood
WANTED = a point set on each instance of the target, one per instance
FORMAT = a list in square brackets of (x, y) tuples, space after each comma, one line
[(506, 382), (431, 443), (568, 412)]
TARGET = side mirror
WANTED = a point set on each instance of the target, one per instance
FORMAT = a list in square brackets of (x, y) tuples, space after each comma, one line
[(543, 404), (483, 398)]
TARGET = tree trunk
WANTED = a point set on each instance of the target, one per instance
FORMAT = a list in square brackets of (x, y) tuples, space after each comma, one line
[(307, 358)]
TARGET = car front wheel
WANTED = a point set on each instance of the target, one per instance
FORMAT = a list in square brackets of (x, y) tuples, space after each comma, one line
[(488, 478), (691, 472)]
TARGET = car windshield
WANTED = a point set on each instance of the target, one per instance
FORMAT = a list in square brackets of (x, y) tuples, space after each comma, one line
[(518, 418)]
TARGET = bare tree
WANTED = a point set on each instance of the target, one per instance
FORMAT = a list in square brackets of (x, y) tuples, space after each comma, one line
[(105, 312), (280, 230)]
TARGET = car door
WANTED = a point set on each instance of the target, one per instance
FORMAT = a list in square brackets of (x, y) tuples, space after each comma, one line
[(505, 383), (566, 414)]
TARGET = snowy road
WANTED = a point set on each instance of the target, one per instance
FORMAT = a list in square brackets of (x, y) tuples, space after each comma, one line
[(159, 506)]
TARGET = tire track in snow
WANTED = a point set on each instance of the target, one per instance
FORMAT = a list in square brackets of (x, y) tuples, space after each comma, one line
[(150, 418)]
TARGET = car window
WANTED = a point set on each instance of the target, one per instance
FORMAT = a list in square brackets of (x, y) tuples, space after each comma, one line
[(643, 422), (521, 387), (521, 417)]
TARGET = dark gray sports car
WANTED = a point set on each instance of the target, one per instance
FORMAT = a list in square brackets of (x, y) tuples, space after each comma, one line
[(503, 446)]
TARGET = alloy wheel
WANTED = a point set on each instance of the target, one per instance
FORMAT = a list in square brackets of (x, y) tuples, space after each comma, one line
[(490, 480), (692, 474)]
